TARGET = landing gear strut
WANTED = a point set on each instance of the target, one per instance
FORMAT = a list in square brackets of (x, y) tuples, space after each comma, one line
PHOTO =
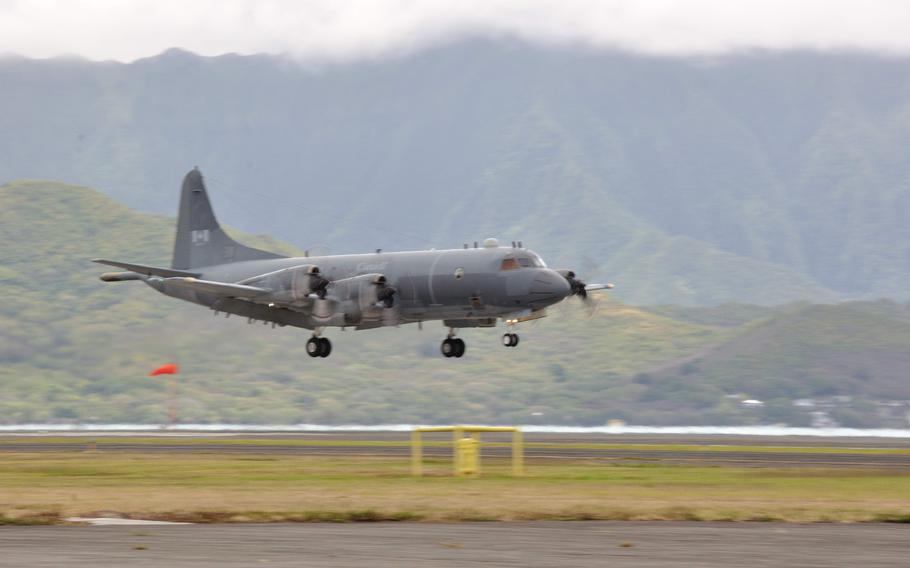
[(452, 346), (510, 339), (318, 347)]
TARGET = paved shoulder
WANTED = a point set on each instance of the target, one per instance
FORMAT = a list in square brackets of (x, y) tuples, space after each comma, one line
[(549, 544)]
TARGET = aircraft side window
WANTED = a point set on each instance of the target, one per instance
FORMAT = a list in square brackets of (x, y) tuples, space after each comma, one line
[(459, 273), (509, 264)]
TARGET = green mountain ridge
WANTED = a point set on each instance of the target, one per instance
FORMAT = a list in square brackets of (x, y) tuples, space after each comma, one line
[(864, 344), (759, 178), (74, 349)]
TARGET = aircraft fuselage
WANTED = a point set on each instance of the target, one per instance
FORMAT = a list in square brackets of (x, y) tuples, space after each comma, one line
[(468, 286)]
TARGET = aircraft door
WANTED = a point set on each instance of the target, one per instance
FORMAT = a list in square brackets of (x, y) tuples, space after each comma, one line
[(451, 282)]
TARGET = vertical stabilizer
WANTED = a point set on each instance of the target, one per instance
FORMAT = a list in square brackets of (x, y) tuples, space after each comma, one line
[(200, 240)]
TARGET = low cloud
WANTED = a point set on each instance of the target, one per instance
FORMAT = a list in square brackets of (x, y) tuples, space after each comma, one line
[(332, 29)]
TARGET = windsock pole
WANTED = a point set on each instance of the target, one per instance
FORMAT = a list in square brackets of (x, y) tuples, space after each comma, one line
[(172, 400), (171, 371)]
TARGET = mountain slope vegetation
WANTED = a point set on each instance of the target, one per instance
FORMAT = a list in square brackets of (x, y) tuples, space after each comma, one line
[(762, 178), (74, 349), (863, 343)]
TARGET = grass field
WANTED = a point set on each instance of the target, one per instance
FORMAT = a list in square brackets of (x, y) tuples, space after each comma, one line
[(100, 442), (212, 487)]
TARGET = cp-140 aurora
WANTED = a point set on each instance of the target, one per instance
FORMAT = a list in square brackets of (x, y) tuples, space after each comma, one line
[(467, 287)]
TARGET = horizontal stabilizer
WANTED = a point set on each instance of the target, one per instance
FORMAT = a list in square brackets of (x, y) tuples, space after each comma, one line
[(592, 287), (147, 270), (221, 289)]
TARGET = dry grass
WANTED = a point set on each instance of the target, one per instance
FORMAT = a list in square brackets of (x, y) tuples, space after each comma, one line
[(230, 488)]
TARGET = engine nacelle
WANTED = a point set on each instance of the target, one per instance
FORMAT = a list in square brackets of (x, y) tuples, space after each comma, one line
[(360, 298), (290, 286)]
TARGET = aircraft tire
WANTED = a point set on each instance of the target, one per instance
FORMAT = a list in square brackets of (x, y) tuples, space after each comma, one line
[(459, 345), (325, 347), (313, 347), (507, 340), (447, 348), (514, 340)]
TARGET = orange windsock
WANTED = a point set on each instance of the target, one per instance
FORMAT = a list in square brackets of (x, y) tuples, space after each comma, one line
[(169, 369)]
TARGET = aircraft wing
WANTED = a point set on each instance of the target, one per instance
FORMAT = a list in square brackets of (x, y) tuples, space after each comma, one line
[(221, 289), (147, 270)]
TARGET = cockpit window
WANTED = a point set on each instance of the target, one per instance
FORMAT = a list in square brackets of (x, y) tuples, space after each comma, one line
[(509, 264), (523, 261)]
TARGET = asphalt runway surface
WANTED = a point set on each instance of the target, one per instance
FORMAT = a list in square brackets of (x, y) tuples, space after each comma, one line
[(701, 450), (535, 544)]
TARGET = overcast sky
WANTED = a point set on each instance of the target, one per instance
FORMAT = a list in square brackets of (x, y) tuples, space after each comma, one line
[(340, 29)]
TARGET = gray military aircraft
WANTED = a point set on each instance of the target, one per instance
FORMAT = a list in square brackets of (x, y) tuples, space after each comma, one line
[(467, 287)]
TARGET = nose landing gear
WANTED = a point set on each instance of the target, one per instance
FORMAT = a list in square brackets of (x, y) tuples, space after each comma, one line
[(318, 347), (510, 339)]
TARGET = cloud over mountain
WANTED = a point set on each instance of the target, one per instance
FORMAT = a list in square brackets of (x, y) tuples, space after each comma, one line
[(330, 30)]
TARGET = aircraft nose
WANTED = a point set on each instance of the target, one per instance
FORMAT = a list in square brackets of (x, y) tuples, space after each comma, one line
[(549, 286)]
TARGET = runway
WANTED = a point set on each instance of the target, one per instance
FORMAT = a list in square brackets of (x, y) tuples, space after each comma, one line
[(746, 451), (537, 544)]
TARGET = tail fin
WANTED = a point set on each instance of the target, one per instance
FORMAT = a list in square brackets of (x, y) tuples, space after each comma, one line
[(200, 240)]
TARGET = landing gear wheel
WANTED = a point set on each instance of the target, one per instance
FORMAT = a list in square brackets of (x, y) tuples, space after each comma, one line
[(325, 347), (318, 347), (510, 339), (514, 340), (313, 347), (448, 347), (459, 347)]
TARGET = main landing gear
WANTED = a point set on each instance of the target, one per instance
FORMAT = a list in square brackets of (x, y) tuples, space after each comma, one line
[(510, 339), (452, 347), (318, 347)]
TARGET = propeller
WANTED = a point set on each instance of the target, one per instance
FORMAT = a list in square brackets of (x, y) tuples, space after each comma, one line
[(319, 285), (577, 286), (580, 289), (386, 295)]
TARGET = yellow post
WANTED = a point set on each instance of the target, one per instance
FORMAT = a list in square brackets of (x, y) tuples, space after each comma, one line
[(476, 437), (518, 451), (457, 433), (416, 453), (467, 456)]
